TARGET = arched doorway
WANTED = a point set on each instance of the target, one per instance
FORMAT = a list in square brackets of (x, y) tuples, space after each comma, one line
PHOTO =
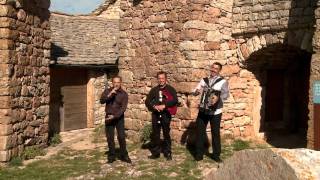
[(283, 76)]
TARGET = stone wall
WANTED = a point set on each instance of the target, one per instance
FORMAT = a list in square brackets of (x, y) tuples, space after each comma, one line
[(84, 40), (182, 38), (315, 75), (258, 26), (109, 10), (280, 22), (272, 15), (185, 37), (99, 86), (25, 52)]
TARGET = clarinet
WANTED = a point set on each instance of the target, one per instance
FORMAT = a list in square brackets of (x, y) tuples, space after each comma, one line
[(160, 101)]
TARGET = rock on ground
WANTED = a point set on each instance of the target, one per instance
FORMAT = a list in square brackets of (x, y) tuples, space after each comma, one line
[(270, 164)]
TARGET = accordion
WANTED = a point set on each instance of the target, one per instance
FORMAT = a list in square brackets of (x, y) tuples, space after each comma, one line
[(207, 105)]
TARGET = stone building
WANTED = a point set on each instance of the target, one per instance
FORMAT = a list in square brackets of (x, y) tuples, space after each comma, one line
[(84, 51), (54, 69), (84, 54), (269, 49), (25, 56)]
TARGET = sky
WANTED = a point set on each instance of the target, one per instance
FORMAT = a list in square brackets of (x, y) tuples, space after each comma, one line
[(75, 6)]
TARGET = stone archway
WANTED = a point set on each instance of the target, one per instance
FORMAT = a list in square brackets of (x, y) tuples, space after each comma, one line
[(282, 83)]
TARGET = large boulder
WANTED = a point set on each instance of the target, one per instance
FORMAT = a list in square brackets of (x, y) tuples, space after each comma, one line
[(269, 164)]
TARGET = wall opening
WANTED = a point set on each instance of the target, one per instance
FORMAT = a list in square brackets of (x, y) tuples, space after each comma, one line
[(68, 99), (283, 75)]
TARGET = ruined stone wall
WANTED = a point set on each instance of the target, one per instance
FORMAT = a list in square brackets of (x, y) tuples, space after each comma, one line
[(260, 25), (315, 75), (273, 22), (25, 52), (272, 15), (110, 10), (182, 38), (84, 40), (99, 86), (185, 37), (95, 87)]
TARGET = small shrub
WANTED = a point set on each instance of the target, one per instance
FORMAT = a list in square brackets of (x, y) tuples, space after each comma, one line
[(239, 145), (262, 146), (16, 161), (145, 133), (31, 152), (99, 128), (55, 140), (99, 133)]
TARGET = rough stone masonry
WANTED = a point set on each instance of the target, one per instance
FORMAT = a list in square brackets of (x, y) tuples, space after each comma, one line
[(181, 37), (24, 72), (185, 37)]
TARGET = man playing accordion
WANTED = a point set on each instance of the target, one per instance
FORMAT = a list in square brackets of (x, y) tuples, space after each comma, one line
[(214, 90)]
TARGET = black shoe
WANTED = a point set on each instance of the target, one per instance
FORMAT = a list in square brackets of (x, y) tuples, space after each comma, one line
[(168, 156), (111, 160), (216, 159), (154, 156), (126, 159), (198, 158)]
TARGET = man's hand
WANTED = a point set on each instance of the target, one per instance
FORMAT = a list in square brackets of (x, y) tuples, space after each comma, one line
[(196, 93), (156, 107), (159, 107), (110, 117), (112, 92)]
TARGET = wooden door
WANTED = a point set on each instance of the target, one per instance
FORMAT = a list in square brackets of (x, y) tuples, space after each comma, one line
[(74, 98), (68, 99)]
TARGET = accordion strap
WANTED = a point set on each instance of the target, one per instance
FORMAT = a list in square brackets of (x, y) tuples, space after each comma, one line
[(206, 80)]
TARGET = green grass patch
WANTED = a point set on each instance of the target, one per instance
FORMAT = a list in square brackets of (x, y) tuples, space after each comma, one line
[(58, 167), (145, 133), (73, 163), (133, 146), (99, 134), (31, 152), (16, 161), (226, 151), (55, 140), (262, 146), (239, 145)]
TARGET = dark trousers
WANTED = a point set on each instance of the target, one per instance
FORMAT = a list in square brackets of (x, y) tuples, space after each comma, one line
[(202, 121), (165, 120), (119, 124)]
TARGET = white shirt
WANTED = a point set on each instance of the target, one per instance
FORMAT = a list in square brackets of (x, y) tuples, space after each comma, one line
[(221, 86)]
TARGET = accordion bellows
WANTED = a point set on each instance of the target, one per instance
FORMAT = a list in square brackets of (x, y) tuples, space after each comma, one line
[(206, 105)]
